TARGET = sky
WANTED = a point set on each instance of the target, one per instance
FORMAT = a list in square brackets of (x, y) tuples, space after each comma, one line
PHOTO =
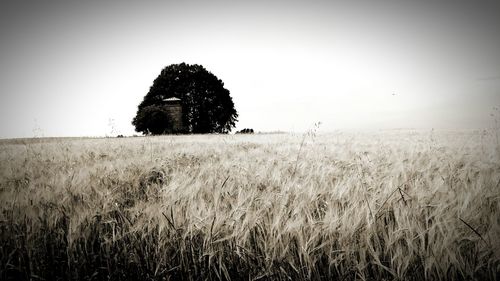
[(81, 68)]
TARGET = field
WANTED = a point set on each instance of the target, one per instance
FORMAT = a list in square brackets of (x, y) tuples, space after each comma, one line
[(413, 205)]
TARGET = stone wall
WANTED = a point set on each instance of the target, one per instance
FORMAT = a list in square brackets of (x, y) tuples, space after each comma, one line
[(175, 113)]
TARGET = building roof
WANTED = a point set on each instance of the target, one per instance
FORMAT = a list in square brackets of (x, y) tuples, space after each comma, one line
[(172, 99)]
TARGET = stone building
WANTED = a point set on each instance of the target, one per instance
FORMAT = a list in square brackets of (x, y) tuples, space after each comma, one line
[(174, 110)]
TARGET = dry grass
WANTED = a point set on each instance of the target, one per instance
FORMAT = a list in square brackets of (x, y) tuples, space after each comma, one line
[(348, 206)]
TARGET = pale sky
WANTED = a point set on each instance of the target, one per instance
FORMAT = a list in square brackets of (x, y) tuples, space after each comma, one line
[(80, 68)]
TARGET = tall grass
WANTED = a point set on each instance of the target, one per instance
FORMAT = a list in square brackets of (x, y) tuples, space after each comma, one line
[(348, 206)]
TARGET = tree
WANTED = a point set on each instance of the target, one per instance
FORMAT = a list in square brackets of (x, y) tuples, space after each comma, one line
[(206, 105), (152, 119)]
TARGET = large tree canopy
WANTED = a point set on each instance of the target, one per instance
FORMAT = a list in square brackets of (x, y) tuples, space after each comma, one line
[(206, 104)]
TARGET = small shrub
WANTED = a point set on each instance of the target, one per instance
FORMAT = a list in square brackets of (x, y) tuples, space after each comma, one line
[(245, 131)]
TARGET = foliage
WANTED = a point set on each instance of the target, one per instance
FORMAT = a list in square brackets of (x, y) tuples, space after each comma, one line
[(207, 105), (245, 131), (153, 119), (391, 206)]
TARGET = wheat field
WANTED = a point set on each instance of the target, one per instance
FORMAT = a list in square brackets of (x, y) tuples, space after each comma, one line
[(382, 205)]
